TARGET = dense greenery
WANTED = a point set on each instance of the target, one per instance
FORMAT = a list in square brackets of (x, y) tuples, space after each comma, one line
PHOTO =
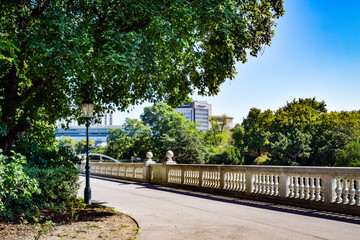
[(300, 133), (160, 130), (54, 52), (16, 187), (42, 176)]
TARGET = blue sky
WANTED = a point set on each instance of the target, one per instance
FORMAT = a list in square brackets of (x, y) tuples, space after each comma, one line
[(315, 53)]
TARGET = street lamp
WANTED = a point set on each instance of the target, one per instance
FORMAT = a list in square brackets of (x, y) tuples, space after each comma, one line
[(87, 107)]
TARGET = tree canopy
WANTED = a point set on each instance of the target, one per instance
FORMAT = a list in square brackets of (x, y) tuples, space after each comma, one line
[(55, 52)]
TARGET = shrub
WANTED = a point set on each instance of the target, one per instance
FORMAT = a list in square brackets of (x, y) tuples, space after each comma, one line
[(16, 187), (229, 156), (262, 160), (58, 186)]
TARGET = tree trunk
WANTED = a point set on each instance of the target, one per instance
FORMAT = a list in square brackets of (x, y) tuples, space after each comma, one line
[(13, 134)]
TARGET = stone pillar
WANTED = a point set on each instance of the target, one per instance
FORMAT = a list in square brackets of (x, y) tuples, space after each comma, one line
[(249, 178), (329, 186), (146, 169), (283, 185)]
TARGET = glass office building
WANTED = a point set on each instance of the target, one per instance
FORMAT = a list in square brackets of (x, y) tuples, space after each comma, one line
[(197, 111)]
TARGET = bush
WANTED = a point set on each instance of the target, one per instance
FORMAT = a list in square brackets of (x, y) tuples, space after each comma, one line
[(229, 156), (16, 187), (262, 160), (58, 186), (350, 156)]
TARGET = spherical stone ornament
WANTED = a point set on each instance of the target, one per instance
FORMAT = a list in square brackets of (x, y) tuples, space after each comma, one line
[(169, 154), (149, 155)]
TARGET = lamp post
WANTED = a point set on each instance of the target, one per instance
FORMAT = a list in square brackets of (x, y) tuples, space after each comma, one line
[(87, 107)]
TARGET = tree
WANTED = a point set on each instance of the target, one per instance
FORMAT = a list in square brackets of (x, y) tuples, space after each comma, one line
[(170, 131), (218, 133), (80, 146), (257, 129), (131, 141), (127, 52), (66, 141), (293, 128), (336, 130), (349, 156)]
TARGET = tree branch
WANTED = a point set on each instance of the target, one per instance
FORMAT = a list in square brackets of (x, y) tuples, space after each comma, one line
[(37, 12)]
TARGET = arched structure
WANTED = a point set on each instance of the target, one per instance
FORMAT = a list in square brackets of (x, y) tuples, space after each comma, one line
[(100, 155)]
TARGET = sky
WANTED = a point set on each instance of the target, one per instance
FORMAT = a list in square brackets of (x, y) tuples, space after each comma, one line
[(315, 53)]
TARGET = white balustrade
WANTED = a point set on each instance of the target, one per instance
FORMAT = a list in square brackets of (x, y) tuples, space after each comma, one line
[(323, 185)]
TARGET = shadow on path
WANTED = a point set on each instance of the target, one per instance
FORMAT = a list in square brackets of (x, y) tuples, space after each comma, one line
[(244, 202)]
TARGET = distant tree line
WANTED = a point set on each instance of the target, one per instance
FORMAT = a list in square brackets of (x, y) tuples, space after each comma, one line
[(302, 132)]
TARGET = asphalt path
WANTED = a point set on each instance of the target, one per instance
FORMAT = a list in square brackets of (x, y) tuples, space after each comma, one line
[(171, 214)]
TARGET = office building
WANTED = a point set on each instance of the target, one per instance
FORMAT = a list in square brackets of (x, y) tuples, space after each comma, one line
[(96, 132), (229, 121), (197, 111)]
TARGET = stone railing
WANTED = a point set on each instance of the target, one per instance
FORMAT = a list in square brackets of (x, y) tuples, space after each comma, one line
[(324, 188)]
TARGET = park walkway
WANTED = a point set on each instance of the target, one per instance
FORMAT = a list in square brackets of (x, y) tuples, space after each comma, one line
[(171, 214)]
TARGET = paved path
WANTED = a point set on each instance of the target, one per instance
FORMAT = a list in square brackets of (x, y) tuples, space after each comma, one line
[(165, 213)]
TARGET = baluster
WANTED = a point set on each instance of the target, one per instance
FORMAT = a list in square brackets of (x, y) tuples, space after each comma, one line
[(267, 184), (297, 187), (318, 189), (235, 181), (226, 175), (302, 187), (345, 191), (307, 188), (256, 183), (241, 186), (243, 181), (271, 184), (338, 190), (261, 187), (276, 185), (291, 187), (231, 181), (210, 179), (208, 174), (358, 192), (352, 192), (191, 177)]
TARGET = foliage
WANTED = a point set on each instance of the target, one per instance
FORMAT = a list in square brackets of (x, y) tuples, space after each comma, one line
[(169, 129), (41, 150), (16, 187), (302, 132), (127, 52), (257, 129), (58, 186), (219, 132), (349, 156), (262, 160), (131, 141), (80, 146), (288, 147), (187, 143), (66, 141), (229, 156)]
